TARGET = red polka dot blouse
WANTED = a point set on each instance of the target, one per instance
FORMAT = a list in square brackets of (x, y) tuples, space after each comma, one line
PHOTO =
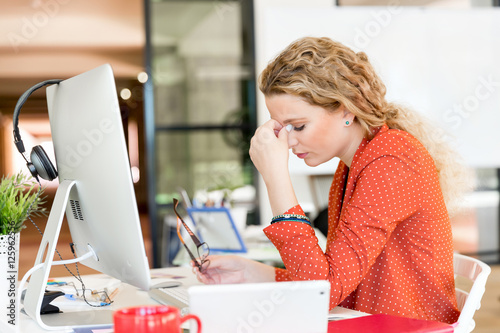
[(389, 244)]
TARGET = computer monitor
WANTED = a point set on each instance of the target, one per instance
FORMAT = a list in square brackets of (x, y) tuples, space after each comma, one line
[(95, 190)]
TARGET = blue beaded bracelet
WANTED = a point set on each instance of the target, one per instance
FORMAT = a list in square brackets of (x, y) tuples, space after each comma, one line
[(290, 220)]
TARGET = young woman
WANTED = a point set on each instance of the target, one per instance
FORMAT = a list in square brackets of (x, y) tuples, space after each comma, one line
[(389, 244)]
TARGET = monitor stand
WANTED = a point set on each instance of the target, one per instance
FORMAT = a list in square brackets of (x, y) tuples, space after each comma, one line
[(40, 274)]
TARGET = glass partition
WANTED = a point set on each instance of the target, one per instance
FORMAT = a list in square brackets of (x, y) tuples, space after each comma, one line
[(202, 111)]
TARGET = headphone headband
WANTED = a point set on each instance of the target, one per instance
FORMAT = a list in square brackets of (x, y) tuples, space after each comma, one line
[(17, 110), (40, 164)]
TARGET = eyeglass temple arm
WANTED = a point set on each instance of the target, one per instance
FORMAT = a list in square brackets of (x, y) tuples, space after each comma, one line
[(191, 233), (193, 236)]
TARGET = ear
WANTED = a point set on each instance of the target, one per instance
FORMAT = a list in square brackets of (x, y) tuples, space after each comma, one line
[(347, 117)]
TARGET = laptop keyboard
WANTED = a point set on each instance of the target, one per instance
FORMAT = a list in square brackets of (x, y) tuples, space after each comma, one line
[(176, 296)]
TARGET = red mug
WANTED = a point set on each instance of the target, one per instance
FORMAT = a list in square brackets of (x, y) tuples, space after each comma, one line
[(151, 319)]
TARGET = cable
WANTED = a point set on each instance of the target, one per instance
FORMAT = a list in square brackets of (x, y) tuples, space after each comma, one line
[(37, 228), (75, 260), (37, 267), (79, 278)]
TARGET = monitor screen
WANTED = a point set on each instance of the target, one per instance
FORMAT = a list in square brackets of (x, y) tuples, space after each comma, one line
[(95, 185), (89, 145)]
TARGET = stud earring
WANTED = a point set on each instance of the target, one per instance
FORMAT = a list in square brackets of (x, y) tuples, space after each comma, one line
[(347, 122)]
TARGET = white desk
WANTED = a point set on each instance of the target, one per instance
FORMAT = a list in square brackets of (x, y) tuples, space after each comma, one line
[(129, 296)]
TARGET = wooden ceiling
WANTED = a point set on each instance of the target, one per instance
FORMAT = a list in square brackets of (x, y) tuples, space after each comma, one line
[(47, 39)]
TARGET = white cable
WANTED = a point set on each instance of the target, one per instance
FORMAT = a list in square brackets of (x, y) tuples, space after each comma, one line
[(72, 261), (28, 274)]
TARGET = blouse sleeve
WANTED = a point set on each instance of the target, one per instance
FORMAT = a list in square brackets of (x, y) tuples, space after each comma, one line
[(280, 273), (387, 191)]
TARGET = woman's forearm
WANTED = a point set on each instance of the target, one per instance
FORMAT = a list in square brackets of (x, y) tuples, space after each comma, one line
[(281, 194)]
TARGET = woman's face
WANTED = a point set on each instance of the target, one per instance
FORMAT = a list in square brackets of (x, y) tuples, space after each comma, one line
[(317, 135)]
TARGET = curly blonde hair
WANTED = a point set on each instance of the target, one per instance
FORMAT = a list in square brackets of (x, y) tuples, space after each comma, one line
[(328, 74)]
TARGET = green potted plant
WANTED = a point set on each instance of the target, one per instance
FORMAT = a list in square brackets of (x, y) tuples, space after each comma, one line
[(18, 200)]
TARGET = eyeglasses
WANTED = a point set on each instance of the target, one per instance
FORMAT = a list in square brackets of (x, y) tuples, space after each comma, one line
[(202, 248)]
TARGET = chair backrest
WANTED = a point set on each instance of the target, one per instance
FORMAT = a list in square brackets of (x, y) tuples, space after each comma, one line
[(468, 302)]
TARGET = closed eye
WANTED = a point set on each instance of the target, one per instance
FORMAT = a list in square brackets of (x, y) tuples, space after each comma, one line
[(300, 128)]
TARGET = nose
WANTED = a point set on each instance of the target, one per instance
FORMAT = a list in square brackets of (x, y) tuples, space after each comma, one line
[(292, 140)]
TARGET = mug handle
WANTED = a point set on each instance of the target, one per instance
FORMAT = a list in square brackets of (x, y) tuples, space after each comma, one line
[(192, 316)]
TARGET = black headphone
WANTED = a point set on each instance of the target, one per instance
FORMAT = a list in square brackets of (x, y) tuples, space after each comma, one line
[(40, 164)]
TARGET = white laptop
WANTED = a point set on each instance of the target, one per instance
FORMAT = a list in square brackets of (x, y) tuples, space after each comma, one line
[(291, 307)]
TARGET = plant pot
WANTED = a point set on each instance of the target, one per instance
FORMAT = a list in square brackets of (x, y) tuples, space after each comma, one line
[(9, 267)]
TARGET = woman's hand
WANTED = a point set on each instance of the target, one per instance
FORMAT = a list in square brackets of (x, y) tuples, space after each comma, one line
[(234, 269), (269, 149), (269, 153)]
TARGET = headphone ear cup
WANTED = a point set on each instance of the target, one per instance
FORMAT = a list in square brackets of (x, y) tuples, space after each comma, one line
[(42, 163)]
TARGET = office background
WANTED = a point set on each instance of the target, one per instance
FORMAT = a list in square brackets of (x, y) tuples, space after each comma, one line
[(185, 73)]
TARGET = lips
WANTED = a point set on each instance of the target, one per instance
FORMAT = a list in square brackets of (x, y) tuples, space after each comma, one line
[(301, 155)]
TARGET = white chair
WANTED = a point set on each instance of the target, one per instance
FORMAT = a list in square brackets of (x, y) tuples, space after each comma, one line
[(468, 302)]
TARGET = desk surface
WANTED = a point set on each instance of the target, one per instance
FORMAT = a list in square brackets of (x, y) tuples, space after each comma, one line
[(128, 296)]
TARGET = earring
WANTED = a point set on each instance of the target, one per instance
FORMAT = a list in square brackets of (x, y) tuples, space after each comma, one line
[(347, 122)]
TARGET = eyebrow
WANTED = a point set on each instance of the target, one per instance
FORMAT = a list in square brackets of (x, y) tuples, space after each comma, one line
[(292, 120)]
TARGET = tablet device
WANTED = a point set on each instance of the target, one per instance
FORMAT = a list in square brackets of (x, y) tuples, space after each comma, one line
[(278, 307)]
